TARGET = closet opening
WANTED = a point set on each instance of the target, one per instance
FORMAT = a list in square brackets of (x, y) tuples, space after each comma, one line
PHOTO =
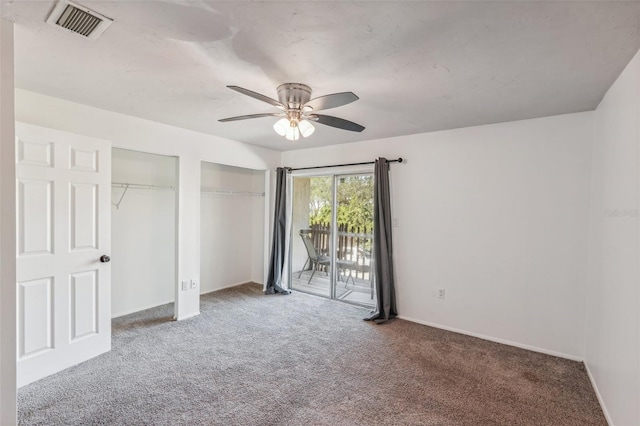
[(143, 231), (232, 226)]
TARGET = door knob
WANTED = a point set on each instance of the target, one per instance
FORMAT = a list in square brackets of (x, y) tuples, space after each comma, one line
[(105, 259)]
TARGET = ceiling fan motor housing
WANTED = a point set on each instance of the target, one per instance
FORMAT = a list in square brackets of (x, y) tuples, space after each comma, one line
[(294, 95)]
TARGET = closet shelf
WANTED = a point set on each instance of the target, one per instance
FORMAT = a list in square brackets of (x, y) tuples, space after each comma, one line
[(138, 186), (126, 186), (231, 192), (213, 191)]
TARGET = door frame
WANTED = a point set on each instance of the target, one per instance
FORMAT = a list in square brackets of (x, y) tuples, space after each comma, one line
[(176, 281), (334, 174)]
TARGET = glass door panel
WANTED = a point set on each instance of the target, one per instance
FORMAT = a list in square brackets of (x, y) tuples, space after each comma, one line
[(354, 281), (311, 238)]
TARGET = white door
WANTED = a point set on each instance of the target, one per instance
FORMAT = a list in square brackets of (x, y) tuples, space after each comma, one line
[(63, 229)]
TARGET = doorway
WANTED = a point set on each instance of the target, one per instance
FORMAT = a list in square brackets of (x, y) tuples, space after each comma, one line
[(143, 230), (232, 229), (332, 237)]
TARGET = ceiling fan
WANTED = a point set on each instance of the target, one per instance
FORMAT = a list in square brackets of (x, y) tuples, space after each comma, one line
[(298, 110)]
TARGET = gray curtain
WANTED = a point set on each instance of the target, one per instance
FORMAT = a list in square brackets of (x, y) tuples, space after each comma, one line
[(383, 246), (276, 263)]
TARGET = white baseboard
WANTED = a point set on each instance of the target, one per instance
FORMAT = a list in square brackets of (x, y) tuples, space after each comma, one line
[(597, 391), (143, 308), (495, 339), (191, 315), (229, 286)]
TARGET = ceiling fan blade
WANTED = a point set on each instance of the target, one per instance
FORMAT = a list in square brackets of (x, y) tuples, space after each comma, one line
[(340, 123), (246, 117), (331, 101), (257, 96)]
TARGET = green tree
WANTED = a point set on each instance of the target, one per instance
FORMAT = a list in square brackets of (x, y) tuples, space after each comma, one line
[(354, 196)]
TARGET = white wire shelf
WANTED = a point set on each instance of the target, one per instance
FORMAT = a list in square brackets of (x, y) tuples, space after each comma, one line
[(210, 191), (127, 186), (231, 192)]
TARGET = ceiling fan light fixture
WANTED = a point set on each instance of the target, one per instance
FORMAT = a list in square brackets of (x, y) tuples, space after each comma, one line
[(281, 126), (293, 133), (306, 128)]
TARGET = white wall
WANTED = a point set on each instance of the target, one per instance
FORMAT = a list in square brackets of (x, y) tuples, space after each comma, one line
[(143, 232), (147, 136), (7, 230), (260, 253), (498, 216), (231, 227), (612, 351)]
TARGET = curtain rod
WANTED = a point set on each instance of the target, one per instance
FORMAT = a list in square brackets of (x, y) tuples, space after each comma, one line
[(398, 160)]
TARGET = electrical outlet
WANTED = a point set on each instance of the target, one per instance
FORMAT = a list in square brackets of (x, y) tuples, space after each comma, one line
[(185, 285), (193, 284), (441, 293)]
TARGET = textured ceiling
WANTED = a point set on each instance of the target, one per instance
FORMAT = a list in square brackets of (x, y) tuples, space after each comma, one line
[(416, 66)]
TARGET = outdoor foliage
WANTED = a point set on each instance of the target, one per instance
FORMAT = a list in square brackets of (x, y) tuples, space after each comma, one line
[(355, 201)]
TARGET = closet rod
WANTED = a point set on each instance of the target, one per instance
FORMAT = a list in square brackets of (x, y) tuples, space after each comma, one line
[(398, 160), (128, 186), (219, 191), (138, 186)]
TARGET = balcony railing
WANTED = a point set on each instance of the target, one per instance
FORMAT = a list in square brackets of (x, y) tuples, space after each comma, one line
[(354, 244)]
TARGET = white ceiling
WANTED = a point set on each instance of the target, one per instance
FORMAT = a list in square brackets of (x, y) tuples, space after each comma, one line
[(416, 66)]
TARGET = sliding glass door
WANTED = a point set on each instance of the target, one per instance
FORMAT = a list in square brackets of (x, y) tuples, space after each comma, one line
[(354, 239), (311, 239), (332, 237)]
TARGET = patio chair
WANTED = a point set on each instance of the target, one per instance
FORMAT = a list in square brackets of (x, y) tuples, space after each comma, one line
[(314, 259)]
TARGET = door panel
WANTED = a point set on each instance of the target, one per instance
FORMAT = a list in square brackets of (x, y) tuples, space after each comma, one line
[(84, 304), (84, 216), (35, 317), (63, 214), (35, 153), (35, 229), (311, 237), (354, 247), (83, 160)]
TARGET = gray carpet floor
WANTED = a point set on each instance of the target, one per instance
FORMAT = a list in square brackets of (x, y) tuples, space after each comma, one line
[(251, 359)]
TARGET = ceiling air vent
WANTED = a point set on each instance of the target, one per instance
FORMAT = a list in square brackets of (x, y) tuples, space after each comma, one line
[(78, 19)]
